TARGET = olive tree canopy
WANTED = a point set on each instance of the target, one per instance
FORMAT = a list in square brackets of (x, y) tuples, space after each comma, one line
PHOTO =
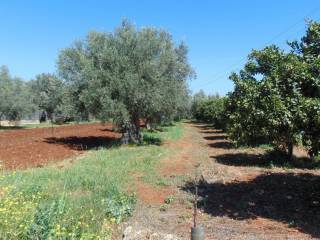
[(128, 75)]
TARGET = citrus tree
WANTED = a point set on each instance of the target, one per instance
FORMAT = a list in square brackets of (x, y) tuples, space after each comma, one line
[(210, 109), (276, 96), (308, 51)]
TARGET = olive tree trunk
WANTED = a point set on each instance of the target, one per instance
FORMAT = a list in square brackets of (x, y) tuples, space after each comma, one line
[(132, 133)]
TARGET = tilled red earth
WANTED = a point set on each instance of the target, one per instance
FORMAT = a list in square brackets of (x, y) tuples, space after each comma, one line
[(37, 147)]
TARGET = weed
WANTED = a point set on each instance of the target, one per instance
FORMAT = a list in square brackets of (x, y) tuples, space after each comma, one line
[(119, 206), (169, 199), (162, 182), (163, 208)]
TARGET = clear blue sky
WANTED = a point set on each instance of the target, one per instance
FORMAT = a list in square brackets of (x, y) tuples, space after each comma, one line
[(219, 34)]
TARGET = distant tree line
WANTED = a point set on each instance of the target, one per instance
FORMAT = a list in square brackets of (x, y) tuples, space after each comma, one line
[(46, 93), (276, 98), (209, 109), (14, 96)]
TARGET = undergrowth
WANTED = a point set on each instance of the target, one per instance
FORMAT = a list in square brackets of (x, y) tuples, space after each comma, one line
[(82, 200)]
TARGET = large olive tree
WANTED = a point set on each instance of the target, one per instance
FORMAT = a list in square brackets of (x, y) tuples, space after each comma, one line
[(128, 75)]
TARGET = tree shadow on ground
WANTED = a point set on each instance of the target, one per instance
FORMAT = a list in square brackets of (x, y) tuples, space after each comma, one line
[(85, 143), (293, 199), (242, 159), (213, 137), (206, 128), (222, 144), (95, 142), (268, 159), (203, 126), (206, 131), (107, 130)]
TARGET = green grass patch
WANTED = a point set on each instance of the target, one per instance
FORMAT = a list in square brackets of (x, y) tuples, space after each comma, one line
[(174, 132), (83, 200)]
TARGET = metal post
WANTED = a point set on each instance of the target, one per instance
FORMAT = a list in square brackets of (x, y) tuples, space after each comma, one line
[(197, 231)]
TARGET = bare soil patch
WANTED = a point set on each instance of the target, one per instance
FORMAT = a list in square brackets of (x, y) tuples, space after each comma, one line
[(24, 148), (148, 194)]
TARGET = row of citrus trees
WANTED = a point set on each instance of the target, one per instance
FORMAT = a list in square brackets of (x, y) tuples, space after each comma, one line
[(276, 98)]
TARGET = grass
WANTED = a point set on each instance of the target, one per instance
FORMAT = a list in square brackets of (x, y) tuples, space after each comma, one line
[(174, 132), (171, 133), (82, 200)]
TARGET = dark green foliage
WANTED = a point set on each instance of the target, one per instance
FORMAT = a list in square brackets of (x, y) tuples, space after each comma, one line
[(308, 51), (276, 96), (210, 109)]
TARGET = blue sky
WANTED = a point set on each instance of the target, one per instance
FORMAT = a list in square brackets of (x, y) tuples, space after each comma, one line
[(220, 34)]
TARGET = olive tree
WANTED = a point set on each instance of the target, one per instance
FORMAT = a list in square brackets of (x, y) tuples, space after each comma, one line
[(14, 96), (128, 75), (47, 92)]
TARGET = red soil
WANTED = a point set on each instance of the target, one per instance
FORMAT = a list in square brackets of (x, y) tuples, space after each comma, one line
[(20, 149), (151, 195), (177, 164)]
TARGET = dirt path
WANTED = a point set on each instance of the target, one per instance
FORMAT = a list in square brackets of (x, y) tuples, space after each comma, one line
[(239, 198)]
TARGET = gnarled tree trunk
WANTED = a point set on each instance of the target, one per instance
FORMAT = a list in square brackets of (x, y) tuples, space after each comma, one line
[(132, 133)]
